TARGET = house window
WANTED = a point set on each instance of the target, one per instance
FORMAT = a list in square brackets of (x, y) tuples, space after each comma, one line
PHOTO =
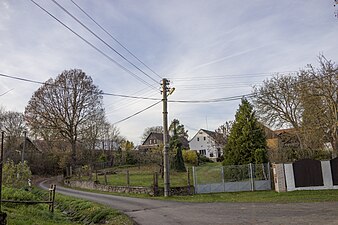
[(211, 154), (203, 152), (204, 138), (198, 139), (150, 141)]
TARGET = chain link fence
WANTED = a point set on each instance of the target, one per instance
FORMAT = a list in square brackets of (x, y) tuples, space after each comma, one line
[(232, 178)]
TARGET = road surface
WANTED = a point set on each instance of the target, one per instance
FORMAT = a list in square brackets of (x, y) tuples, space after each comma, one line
[(156, 212)]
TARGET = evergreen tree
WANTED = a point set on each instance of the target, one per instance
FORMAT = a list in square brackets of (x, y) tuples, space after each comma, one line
[(178, 162), (175, 145), (246, 136)]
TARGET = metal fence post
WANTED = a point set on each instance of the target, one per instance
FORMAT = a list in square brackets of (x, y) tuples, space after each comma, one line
[(252, 177), (195, 180), (269, 174), (223, 182)]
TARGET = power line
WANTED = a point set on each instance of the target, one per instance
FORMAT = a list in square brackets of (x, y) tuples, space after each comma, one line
[(103, 93), (233, 98), (225, 76), (6, 92), (114, 38), (108, 45), (135, 97), (225, 99), (137, 113), (93, 46)]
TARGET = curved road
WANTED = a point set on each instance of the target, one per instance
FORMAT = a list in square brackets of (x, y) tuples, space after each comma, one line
[(148, 212)]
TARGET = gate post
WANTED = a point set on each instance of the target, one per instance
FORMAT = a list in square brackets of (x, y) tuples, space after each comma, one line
[(252, 177), (195, 180), (222, 172)]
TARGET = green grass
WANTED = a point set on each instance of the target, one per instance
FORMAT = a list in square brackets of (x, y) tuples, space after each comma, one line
[(243, 197), (142, 177), (69, 211), (261, 197)]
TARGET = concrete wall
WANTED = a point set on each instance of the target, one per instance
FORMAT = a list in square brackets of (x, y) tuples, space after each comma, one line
[(290, 180), (124, 189)]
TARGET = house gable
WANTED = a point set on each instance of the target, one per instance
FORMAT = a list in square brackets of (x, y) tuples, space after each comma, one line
[(204, 142)]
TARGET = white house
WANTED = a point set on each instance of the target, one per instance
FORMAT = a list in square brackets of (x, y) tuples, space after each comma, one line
[(205, 143)]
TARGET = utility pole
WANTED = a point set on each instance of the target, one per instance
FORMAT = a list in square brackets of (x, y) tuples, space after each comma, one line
[(166, 179)]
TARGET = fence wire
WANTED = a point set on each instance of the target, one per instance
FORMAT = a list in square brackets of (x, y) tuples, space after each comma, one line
[(232, 178)]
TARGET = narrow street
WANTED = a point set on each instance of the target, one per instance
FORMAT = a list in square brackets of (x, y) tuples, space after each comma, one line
[(149, 212)]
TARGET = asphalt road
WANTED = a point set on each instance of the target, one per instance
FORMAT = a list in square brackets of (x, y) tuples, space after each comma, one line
[(149, 212)]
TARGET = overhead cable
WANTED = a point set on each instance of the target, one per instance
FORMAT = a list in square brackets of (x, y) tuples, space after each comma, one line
[(93, 46), (137, 113), (114, 38), (98, 37), (103, 93)]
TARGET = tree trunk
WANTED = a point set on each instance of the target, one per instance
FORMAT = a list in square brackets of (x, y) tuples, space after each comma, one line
[(73, 162)]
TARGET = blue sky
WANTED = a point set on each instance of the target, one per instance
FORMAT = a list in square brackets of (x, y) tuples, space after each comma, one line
[(208, 49)]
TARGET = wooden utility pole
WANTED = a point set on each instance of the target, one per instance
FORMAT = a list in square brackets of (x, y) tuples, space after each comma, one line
[(166, 179)]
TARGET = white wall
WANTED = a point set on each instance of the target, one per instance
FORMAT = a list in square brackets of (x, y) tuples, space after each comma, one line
[(202, 141), (327, 178)]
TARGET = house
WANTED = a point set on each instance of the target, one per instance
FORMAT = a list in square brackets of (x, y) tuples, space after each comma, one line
[(284, 138), (205, 143), (155, 140)]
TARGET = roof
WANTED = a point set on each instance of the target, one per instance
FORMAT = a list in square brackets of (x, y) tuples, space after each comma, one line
[(283, 131), (158, 136), (208, 132)]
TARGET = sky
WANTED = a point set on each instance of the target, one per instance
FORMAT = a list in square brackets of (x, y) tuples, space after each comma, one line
[(207, 49)]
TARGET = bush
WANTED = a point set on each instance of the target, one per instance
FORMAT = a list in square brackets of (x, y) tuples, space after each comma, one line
[(16, 175), (203, 159), (191, 157)]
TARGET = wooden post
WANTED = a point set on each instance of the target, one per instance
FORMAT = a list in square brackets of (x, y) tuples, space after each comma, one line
[(155, 184), (96, 178), (105, 178), (188, 172), (128, 179), (91, 173), (52, 197)]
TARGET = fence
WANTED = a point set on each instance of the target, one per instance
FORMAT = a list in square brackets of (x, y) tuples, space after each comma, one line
[(50, 202), (306, 174), (233, 178)]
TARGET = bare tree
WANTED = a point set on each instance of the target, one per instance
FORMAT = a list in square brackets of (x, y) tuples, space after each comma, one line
[(320, 101), (67, 105), (278, 103), (306, 102), (223, 132), (14, 125)]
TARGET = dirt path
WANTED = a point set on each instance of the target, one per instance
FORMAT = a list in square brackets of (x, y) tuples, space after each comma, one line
[(149, 212)]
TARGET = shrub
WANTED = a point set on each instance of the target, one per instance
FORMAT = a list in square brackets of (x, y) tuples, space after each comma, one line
[(16, 175), (191, 157)]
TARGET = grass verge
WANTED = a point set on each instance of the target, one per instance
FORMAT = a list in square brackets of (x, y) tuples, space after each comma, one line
[(69, 211), (261, 197), (243, 197)]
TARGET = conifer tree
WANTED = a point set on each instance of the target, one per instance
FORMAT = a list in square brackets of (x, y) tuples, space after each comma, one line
[(246, 136)]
